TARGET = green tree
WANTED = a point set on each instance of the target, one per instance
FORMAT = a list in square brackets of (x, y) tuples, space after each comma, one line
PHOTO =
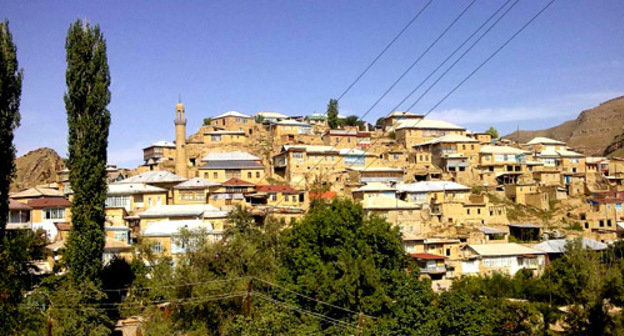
[(88, 120), (332, 114), (380, 122), (10, 92), (207, 121), (258, 119), (338, 253), (78, 310), (493, 132)]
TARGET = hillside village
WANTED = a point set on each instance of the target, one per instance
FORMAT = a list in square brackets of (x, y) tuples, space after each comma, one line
[(466, 203)]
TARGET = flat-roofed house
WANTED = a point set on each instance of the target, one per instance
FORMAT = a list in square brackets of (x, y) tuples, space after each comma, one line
[(412, 132), (396, 117), (270, 117), (204, 212), (48, 213), (298, 162), (346, 139), (158, 178), (509, 258), (366, 174), (502, 164), (453, 153), (288, 130), (274, 195), (220, 167), (158, 152), (134, 197), (233, 121), (373, 189), (225, 137), (404, 215), (483, 137), (231, 192), (194, 191), (165, 236)]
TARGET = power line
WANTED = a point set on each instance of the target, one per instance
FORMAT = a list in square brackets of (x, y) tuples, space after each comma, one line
[(384, 50), (418, 58), (458, 48), (311, 298)]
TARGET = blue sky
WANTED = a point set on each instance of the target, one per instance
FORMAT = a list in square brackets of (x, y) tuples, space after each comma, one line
[(292, 56)]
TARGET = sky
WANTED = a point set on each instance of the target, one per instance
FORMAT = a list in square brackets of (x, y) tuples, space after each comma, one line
[(293, 56)]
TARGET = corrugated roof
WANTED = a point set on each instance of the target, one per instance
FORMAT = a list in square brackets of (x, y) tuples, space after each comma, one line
[(354, 151), (236, 182), (289, 122), (171, 228), (524, 225), (231, 165), (491, 149), (328, 195), (311, 148), (544, 141), (428, 124), (404, 114), (232, 114), (230, 156), (490, 230), (559, 245), (317, 116), (37, 192), (503, 249), (162, 143), (195, 183), (16, 206), (155, 176), (449, 138), (181, 210), (427, 256), (132, 189), (431, 186), (385, 202), (49, 202), (375, 186)]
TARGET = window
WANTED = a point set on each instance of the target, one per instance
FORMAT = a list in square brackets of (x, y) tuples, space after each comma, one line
[(215, 138), (121, 236), (478, 211), (117, 201), (467, 211), (157, 247), (215, 175), (248, 175), (448, 252), (601, 223), (54, 213), (257, 175)]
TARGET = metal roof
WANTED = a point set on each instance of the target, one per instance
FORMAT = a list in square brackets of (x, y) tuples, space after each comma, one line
[(132, 189), (491, 149), (502, 249), (37, 192), (544, 141), (428, 124), (491, 230), (155, 176), (375, 186), (230, 156), (182, 210), (289, 122), (449, 138), (231, 165), (171, 228), (431, 186), (232, 114), (559, 245), (162, 143), (195, 183)]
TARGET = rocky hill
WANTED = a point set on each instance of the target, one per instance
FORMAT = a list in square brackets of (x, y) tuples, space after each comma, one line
[(36, 167), (593, 132)]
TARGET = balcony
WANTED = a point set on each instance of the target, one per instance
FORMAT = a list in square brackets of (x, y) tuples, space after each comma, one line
[(433, 270)]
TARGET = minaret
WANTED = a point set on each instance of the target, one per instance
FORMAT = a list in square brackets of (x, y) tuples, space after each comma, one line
[(180, 129)]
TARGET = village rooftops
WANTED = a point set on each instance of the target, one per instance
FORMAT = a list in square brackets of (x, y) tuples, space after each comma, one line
[(374, 186), (545, 141), (431, 186), (132, 189), (491, 149), (183, 210), (404, 114), (230, 156), (155, 176), (285, 189), (195, 183), (161, 143), (449, 138), (271, 115), (173, 227), (559, 153), (503, 249), (49, 202), (560, 245), (387, 203), (234, 114), (429, 124), (37, 192), (289, 122), (236, 182), (310, 149), (231, 165), (18, 206)]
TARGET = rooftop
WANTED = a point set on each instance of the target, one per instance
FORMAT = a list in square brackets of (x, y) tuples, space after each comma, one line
[(49, 202), (271, 115), (286, 189), (173, 227), (162, 143), (195, 183), (559, 245), (491, 149), (37, 192), (449, 138), (289, 122), (310, 148), (235, 165), (427, 256), (132, 189), (404, 114), (502, 249), (236, 182), (375, 186), (223, 132), (155, 176), (431, 186), (232, 114), (16, 206), (385, 202), (544, 141), (182, 210), (230, 156)]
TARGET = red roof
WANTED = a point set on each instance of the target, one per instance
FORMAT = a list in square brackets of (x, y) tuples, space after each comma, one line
[(285, 189), (326, 195), (15, 205), (49, 202), (427, 256), (238, 183)]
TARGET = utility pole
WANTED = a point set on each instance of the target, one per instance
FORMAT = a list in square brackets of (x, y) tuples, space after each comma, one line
[(248, 298)]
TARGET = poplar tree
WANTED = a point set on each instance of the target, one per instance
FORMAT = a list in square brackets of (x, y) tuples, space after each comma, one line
[(88, 120), (332, 113), (10, 92)]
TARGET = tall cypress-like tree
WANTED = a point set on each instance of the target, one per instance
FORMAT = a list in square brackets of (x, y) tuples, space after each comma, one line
[(332, 113), (10, 92), (88, 120)]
